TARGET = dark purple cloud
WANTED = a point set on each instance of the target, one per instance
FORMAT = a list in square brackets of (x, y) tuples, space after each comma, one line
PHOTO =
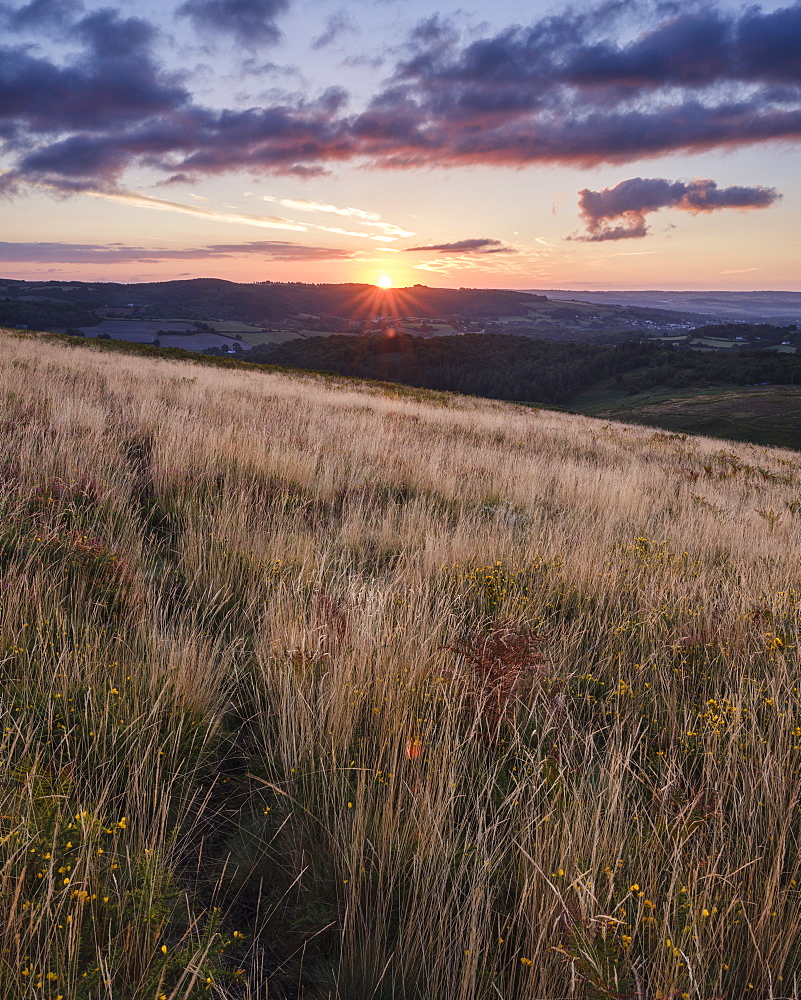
[(478, 245), (560, 90), (39, 14), (251, 22), (618, 213), (338, 23), (192, 141), (698, 48), (93, 253), (114, 81), (692, 49)]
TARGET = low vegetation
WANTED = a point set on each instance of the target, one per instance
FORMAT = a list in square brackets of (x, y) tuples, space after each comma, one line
[(768, 415), (44, 315), (526, 370), (339, 691)]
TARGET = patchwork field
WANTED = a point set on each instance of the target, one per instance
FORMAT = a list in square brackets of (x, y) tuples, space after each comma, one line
[(169, 334), (329, 690)]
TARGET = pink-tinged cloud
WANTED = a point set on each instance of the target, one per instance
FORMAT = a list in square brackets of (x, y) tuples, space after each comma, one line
[(618, 213), (94, 253), (560, 90), (481, 245)]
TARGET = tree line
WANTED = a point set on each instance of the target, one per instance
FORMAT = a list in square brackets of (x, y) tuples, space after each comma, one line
[(502, 366)]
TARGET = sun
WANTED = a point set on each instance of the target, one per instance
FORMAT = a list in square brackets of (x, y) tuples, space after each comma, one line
[(384, 281)]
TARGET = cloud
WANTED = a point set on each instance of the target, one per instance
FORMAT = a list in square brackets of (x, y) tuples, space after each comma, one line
[(618, 213), (307, 205), (180, 141), (113, 82), (250, 22), (490, 257), (338, 23), (524, 264), (92, 253), (255, 67), (482, 246), (242, 218), (162, 205), (562, 89), (39, 14), (362, 217)]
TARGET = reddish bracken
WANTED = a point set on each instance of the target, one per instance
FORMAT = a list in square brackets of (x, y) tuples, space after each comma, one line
[(504, 664)]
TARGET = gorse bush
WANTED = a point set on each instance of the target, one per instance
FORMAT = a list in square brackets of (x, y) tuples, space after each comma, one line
[(311, 690)]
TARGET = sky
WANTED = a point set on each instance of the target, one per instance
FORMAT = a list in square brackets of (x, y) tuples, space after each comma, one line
[(621, 144)]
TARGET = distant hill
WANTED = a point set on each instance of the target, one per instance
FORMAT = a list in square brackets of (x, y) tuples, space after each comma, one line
[(258, 301), (777, 306), (343, 308)]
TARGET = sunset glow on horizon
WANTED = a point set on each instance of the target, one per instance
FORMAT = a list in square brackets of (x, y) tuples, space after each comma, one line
[(468, 145)]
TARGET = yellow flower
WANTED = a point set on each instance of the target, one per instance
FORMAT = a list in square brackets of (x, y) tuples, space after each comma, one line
[(634, 888)]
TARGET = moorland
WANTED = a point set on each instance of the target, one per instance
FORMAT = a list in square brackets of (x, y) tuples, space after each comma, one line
[(336, 689), (607, 359), (737, 394)]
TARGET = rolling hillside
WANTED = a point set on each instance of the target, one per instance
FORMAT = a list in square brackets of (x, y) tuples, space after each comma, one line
[(766, 415), (327, 308), (343, 690), (778, 306)]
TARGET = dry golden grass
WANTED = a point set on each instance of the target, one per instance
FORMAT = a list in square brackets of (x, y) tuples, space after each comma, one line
[(246, 740)]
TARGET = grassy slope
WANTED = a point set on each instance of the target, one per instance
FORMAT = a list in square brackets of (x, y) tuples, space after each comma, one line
[(766, 415), (275, 707)]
